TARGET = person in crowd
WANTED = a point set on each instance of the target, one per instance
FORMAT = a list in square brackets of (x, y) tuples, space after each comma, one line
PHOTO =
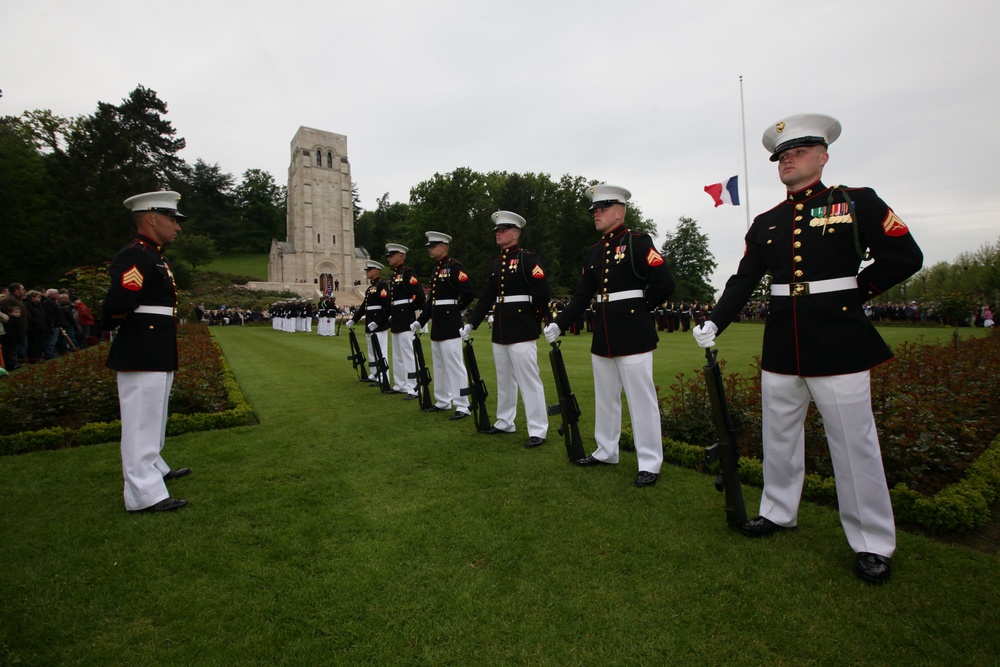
[(37, 326), (818, 342), (16, 297)]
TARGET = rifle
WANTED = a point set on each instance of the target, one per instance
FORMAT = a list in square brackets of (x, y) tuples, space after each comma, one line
[(421, 374), (381, 365), (476, 389), (357, 357), (724, 449), (567, 406)]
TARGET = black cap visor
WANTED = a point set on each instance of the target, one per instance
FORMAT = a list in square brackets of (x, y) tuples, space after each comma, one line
[(604, 203), (795, 143)]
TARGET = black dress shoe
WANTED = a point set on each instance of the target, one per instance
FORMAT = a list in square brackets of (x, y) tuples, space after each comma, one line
[(872, 568), (177, 473), (165, 505), (493, 430), (590, 462), (410, 397), (761, 527), (534, 441), (645, 478), (458, 415), (433, 408)]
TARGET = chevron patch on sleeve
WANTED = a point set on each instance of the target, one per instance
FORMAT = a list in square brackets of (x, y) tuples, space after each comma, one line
[(654, 258), (893, 226), (537, 272), (132, 279)]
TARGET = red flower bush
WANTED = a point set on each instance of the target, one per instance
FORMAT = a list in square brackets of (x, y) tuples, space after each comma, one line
[(78, 389), (937, 409)]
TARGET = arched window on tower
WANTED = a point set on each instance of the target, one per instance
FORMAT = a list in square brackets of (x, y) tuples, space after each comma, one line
[(329, 159), (319, 158)]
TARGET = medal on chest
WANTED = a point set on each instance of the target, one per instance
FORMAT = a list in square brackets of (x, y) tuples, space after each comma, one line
[(834, 214)]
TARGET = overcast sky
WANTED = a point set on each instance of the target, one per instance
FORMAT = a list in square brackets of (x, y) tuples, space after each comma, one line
[(640, 94)]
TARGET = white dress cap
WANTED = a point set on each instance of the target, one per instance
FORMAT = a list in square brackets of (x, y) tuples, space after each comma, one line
[(437, 237), (163, 201), (802, 129), (395, 247), (604, 195), (508, 219), (372, 264)]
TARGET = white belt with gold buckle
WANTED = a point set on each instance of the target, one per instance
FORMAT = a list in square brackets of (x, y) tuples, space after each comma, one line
[(815, 287), (155, 310), (619, 296)]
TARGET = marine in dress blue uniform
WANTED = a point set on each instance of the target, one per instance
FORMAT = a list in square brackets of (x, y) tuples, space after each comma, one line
[(451, 291), (141, 303), (375, 309), (406, 297), (629, 277), (518, 293), (818, 342)]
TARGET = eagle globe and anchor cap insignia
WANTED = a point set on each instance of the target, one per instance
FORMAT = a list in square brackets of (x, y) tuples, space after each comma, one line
[(780, 127)]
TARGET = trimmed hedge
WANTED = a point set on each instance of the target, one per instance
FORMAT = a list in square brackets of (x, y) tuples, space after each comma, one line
[(240, 414), (959, 507)]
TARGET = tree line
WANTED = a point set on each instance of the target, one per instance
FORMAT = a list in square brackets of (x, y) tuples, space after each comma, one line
[(559, 227), (63, 180)]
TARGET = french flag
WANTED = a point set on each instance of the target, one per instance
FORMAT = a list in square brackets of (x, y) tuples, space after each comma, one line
[(727, 192)]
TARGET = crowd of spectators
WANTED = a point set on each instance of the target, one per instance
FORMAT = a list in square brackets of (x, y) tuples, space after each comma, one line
[(38, 325)]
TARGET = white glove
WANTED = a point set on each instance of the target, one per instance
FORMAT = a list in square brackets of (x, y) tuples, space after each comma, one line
[(349, 323), (704, 334), (465, 331), (414, 326), (552, 332), (489, 320), (372, 326)]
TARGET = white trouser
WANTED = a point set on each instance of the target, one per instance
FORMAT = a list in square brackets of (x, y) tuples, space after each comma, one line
[(324, 326), (383, 344), (634, 374), (403, 362), (449, 374), (517, 367), (142, 399), (844, 402)]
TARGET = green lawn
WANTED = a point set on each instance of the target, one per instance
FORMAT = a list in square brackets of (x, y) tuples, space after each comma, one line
[(349, 528), (241, 264)]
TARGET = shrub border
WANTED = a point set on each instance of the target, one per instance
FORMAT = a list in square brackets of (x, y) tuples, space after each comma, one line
[(241, 414), (957, 508)]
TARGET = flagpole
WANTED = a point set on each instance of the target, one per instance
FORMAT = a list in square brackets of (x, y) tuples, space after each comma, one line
[(746, 177)]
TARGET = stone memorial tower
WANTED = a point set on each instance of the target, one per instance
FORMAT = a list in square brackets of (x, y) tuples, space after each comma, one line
[(318, 254)]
